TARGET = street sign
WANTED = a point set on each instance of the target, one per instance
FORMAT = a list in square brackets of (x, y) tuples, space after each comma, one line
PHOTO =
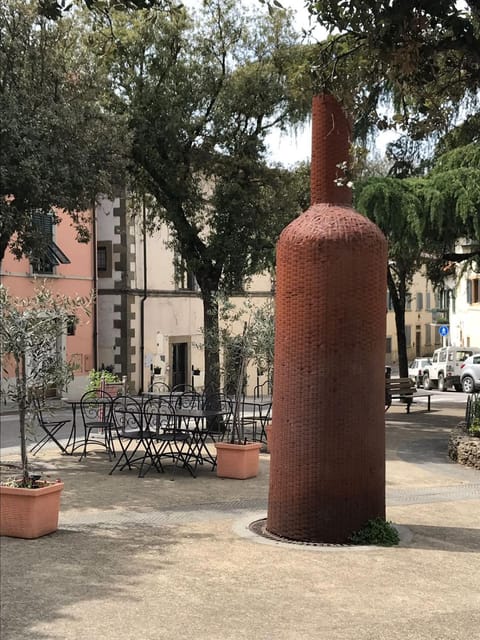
[(443, 331)]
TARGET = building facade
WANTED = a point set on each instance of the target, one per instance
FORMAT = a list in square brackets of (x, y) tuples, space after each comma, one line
[(66, 267), (150, 312), (421, 329), (463, 300)]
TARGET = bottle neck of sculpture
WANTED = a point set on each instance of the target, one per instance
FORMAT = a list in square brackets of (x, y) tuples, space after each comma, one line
[(331, 133)]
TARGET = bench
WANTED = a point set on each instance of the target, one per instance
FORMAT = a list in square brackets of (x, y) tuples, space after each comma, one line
[(403, 389)]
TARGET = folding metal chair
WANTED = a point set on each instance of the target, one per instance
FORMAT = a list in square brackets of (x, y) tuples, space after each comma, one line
[(49, 426)]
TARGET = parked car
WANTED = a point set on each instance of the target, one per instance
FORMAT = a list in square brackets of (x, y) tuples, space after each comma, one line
[(445, 370), (415, 369), (470, 374)]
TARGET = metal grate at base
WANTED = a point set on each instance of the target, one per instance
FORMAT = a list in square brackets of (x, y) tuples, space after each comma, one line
[(259, 528)]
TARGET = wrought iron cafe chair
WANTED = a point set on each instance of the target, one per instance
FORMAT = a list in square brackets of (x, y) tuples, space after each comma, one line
[(96, 412), (133, 437), (170, 434)]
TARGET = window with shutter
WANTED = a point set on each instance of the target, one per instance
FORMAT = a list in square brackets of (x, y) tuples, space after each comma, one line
[(50, 255), (428, 301), (184, 279), (473, 291), (408, 334)]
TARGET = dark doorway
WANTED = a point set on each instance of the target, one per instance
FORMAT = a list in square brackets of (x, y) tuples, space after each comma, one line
[(179, 364), (418, 341)]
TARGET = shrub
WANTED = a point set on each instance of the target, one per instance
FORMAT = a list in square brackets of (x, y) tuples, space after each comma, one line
[(376, 532), (95, 378)]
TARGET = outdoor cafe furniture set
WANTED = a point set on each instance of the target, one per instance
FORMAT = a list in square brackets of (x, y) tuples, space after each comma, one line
[(155, 429)]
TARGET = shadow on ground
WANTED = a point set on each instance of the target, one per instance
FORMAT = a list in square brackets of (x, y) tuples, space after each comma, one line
[(76, 568), (438, 538)]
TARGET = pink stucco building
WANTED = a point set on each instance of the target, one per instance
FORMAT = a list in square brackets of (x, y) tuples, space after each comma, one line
[(68, 268)]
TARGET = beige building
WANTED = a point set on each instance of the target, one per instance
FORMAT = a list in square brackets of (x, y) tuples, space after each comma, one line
[(150, 313), (422, 332), (464, 301)]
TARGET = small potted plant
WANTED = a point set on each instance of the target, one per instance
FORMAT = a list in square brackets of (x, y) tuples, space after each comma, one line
[(29, 327), (105, 380)]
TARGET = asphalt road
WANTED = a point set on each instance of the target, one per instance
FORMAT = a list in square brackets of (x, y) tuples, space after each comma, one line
[(9, 428)]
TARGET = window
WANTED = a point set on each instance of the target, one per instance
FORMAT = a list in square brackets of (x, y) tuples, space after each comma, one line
[(389, 345), (473, 291), (49, 255), (419, 299), (389, 302), (71, 325), (408, 302), (428, 301), (104, 259), (184, 279), (408, 335)]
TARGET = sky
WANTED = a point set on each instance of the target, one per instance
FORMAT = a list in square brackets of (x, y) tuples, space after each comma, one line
[(289, 149)]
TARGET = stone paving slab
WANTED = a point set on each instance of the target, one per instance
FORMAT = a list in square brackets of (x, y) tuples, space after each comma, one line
[(157, 559)]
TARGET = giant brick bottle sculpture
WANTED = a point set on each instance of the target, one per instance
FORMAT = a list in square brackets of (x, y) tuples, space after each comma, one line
[(327, 469)]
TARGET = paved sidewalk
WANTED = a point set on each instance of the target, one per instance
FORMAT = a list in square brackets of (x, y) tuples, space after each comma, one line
[(154, 558)]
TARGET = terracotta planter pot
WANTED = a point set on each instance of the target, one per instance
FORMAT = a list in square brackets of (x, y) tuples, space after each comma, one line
[(113, 389), (239, 461), (29, 513)]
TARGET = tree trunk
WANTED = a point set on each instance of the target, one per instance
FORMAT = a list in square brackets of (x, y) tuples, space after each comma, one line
[(211, 340), (398, 296), (3, 246), (21, 376)]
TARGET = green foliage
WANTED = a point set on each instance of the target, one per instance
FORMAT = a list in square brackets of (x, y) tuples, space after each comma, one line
[(474, 428), (200, 92), (55, 9), (422, 218), (95, 378), (60, 146), (423, 55), (376, 532), (29, 332)]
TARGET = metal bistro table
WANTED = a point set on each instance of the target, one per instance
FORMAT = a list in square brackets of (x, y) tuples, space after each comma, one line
[(166, 432), (73, 442), (202, 430)]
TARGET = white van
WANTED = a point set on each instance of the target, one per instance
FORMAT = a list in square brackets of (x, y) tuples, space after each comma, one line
[(445, 370)]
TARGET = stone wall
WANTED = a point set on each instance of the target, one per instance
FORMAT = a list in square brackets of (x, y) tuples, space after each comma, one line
[(463, 448)]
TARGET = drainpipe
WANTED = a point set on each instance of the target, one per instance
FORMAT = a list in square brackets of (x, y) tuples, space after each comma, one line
[(95, 288), (142, 302)]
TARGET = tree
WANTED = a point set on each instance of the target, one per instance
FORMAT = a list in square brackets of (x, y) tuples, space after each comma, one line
[(29, 328), (423, 54), (200, 94), (55, 9), (422, 218), (60, 147)]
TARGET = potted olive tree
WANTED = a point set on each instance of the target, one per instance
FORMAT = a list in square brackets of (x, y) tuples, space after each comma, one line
[(30, 329), (236, 457)]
